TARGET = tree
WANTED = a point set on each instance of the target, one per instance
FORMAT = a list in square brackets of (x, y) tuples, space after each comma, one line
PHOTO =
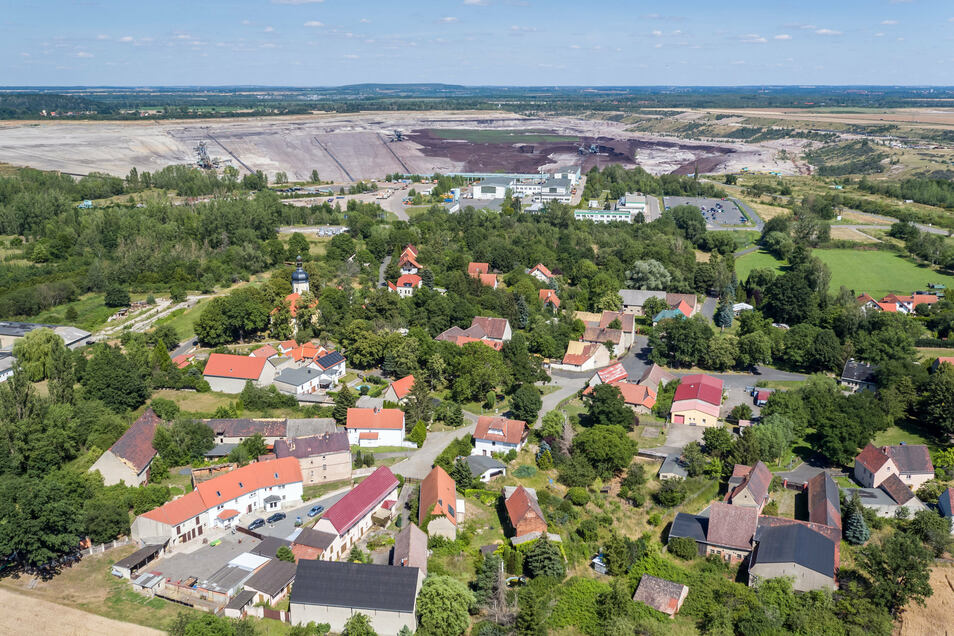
[(717, 440), (723, 315), (112, 378), (683, 547), (694, 460), (671, 493), (856, 530), (443, 606), (721, 352), (418, 405), (418, 434), (487, 582), (606, 407), (525, 403), (648, 274), (653, 306), (35, 352), (62, 376), (775, 435), (358, 625), (899, 571), (544, 559), (754, 349), (105, 519), (937, 403), (314, 177), (116, 296), (933, 529), (343, 401), (284, 553), (607, 449), (462, 476)]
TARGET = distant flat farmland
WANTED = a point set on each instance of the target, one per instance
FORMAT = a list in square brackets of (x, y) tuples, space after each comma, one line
[(875, 272), (501, 136)]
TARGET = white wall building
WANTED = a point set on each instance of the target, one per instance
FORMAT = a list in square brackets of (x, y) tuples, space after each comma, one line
[(375, 427)]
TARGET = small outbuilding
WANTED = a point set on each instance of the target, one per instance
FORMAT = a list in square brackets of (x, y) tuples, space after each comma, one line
[(661, 595)]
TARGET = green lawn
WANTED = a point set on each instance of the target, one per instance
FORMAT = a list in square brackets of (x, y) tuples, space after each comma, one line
[(895, 435), (875, 272), (91, 313), (183, 320)]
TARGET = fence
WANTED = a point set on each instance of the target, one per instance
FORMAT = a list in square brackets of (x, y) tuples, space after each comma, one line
[(102, 547)]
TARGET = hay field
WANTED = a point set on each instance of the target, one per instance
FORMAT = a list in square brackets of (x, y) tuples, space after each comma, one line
[(935, 616), (30, 615)]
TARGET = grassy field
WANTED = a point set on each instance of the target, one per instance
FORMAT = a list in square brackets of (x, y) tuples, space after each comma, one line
[(183, 320), (895, 435), (875, 272), (207, 403), (91, 313), (929, 354), (500, 136)]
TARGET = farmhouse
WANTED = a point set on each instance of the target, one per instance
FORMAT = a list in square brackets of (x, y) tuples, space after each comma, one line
[(887, 497), (408, 261), (406, 285), (440, 510), (217, 502), (495, 434), (321, 458), (796, 551), (542, 274), (550, 299), (128, 460), (491, 331), (236, 430), (910, 462), (228, 373), (375, 427), (656, 376), (859, 376), (634, 299), (329, 592), (583, 356), (697, 401), (351, 517), (728, 531), (609, 375), (749, 486)]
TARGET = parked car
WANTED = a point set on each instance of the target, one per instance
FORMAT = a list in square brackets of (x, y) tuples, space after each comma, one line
[(258, 523), (278, 516), (315, 511)]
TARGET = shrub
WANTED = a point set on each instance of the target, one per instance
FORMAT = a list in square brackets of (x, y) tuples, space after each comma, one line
[(578, 496), (671, 493), (654, 519), (683, 547), (525, 471)]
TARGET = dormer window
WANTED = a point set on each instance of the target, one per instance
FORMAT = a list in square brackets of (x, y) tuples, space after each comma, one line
[(218, 494), (241, 485), (276, 475)]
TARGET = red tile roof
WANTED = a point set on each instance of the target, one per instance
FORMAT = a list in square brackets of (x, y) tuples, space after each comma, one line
[(872, 458), (438, 496), (476, 269), (183, 360), (500, 429), (225, 488), (224, 365), (495, 328), (266, 351), (135, 445), (410, 249), (520, 504), (362, 499), (612, 373), (627, 322), (403, 386), (460, 341), (374, 418), (588, 350), (823, 502), (637, 394), (540, 267), (945, 360), (227, 514), (598, 334), (550, 296), (409, 280), (684, 307), (732, 526), (756, 481), (488, 280), (700, 387)]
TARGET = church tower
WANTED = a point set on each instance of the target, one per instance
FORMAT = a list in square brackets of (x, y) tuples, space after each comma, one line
[(299, 279)]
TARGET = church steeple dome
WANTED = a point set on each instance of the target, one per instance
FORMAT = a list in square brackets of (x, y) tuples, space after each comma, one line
[(299, 278)]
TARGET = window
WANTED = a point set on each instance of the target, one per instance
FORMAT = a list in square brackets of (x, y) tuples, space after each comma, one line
[(276, 475), (452, 512), (218, 494), (241, 485)]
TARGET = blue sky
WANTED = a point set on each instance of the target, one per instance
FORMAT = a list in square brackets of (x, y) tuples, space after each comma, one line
[(485, 42)]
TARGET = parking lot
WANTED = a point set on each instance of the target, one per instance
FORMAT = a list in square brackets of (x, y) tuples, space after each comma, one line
[(283, 529), (717, 212)]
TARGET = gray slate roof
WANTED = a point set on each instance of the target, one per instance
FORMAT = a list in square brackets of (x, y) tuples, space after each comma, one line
[(687, 525), (795, 543), (273, 577), (479, 464), (858, 371), (410, 548), (355, 585), (297, 376), (911, 458), (303, 447), (638, 297), (269, 547), (673, 466), (241, 599)]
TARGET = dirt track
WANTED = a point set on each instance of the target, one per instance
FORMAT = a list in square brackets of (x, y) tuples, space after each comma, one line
[(24, 614)]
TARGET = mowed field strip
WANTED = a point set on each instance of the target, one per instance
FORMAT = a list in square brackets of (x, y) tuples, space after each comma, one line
[(25, 614), (875, 272)]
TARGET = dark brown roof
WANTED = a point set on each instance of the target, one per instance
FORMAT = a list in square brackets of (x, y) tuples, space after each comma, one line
[(269, 547), (410, 548), (495, 328), (245, 427), (273, 578), (871, 457), (897, 490), (659, 594), (314, 539), (732, 526), (757, 482), (135, 445), (302, 447), (823, 504), (910, 458)]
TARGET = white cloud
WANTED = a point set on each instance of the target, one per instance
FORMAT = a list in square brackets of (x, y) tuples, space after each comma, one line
[(365, 21), (657, 33), (24, 55), (269, 29), (827, 32), (101, 36), (574, 46), (246, 22), (84, 54), (448, 19), (350, 56), (126, 38), (476, 3), (658, 46), (889, 22), (879, 35), (753, 38), (738, 62), (182, 36), (314, 23), (782, 36), (523, 29), (269, 45)]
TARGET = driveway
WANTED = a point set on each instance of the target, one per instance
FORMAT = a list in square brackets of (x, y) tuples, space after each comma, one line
[(419, 464), (567, 384), (284, 528), (709, 307), (384, 266)]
